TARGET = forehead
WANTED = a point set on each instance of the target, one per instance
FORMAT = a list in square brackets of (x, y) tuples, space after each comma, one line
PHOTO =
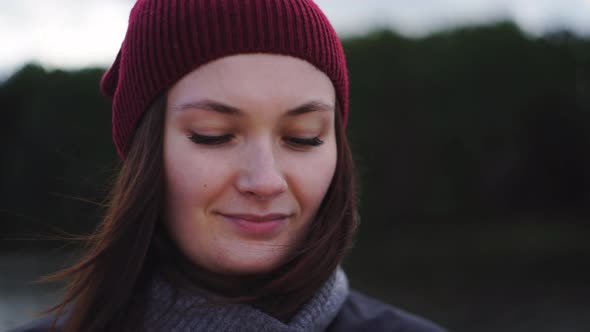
[(252, 80)]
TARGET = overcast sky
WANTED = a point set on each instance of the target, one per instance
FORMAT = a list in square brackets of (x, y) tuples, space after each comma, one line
[(77, 33)]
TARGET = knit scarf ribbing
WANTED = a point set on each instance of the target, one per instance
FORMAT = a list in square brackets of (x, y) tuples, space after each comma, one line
[(192, 312)]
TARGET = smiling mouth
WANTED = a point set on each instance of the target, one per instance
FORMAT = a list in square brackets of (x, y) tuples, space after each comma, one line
[(256, 217), (257, 225)]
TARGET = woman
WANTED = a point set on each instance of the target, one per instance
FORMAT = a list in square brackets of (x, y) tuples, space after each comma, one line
[(235, 203)]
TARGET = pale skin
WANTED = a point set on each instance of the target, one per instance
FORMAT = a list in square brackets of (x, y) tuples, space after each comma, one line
[(249, 154)]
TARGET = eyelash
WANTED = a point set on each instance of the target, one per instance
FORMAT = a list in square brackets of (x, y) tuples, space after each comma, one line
[(315, 141), (218, 140), (210, 140)]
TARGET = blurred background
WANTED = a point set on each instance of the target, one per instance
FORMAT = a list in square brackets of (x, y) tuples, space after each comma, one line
[(470, 124)]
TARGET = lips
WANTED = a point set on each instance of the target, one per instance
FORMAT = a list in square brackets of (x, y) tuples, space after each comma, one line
[(257, 224), (255, 217)]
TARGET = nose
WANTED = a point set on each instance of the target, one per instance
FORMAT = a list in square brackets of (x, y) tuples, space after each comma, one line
[(261, 176)]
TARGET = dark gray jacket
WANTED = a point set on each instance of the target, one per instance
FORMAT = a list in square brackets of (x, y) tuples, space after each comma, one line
[(362, 313)]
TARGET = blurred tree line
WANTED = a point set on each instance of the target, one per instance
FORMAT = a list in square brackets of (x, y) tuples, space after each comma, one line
[(473, 126), (472, 123)]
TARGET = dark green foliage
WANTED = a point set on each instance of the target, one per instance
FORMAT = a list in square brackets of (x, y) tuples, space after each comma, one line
[(56, 150), (474, 123)]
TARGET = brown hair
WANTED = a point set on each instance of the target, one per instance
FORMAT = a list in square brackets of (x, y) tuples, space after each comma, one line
[(107, 287)]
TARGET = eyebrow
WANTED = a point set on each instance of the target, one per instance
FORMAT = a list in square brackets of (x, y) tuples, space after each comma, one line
[(218, 107)]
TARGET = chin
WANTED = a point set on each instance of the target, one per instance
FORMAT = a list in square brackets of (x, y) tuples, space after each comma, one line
[(248, 268), (248, 262)]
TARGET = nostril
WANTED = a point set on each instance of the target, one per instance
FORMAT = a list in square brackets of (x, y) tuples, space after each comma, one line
[(262, 184), (263, 190), (260, 174)]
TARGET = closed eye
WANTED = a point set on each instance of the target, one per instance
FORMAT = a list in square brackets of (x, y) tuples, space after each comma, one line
[(305, 142), (210, 140)]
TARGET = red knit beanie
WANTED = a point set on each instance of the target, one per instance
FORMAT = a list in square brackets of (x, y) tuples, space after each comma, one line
[(167, 39)]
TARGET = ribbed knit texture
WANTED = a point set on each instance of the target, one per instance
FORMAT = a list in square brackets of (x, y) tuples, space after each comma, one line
[(167, 39), (192, 312)]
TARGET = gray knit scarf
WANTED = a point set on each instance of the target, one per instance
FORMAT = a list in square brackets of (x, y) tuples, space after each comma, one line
[(190, 312)]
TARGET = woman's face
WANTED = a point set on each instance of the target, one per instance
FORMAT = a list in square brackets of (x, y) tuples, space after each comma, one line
[(249, 154)]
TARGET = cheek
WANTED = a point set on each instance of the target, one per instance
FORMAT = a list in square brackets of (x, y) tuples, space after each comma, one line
[(189, 177), (312, 179), (178, 176)]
